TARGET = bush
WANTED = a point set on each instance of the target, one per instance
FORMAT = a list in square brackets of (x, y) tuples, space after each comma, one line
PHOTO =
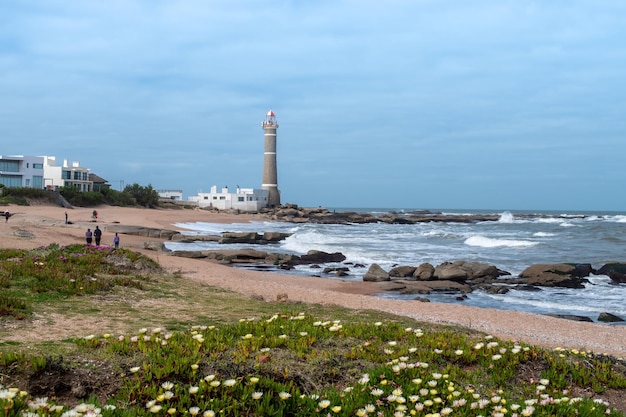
[(118, 198), (144, 196), (83, 199)]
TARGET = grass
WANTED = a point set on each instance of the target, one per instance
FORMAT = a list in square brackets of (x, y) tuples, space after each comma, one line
[(170, 346)]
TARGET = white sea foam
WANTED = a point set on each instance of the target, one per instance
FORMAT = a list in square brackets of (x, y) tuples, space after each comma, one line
[(506, 217), (487, 242), (543, 234)]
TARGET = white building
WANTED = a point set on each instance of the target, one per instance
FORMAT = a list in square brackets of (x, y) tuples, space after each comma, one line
[(171, 194), (67, 175), (22, 171), (244, 199)]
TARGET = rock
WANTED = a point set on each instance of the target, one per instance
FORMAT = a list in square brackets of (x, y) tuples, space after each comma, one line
[(609, 318), (449, 271), (391, 285), (552, 275), (272, 237), (570, 317), (189, 238), (402, 271), (331, 270), (192, 254), (239, 237), (156, 246), (315, 256), (497, 289), (424, 272), (422, 299), (614, 270), (376, 274), (142, 231), (438, 286)]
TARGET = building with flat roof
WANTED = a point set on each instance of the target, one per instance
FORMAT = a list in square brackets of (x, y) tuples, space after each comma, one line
[(22, 171), (244, 199)]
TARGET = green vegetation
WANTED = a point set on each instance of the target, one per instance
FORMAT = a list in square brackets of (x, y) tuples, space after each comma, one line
[(21, 195), (133, 195), (27, 277), (216, 353)]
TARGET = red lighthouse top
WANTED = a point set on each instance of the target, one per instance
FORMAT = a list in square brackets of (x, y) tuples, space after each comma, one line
[(270, 119)]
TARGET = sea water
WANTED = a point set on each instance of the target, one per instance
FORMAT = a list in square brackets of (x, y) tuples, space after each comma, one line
[(512, 243)]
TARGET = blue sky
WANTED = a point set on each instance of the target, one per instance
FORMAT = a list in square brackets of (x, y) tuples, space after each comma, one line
[(488, 104)]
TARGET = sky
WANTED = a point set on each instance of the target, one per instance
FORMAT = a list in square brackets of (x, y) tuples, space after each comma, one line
[(429, 104)]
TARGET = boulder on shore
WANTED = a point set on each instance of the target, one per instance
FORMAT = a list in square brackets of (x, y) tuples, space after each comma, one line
[(609, 318), (376, 273), (553, 275)]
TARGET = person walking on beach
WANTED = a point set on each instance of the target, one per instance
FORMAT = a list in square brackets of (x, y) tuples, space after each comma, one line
[(94, 215), (66, 217), (97, 233), (116, 241), (6, 216), (88, 236)]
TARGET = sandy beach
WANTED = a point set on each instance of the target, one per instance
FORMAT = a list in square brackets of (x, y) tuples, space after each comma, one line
[(34, 226)]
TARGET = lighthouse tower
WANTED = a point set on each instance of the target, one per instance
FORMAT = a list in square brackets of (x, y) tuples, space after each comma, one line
[(270, 177)]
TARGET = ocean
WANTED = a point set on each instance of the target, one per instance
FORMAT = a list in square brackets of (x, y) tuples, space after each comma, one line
[(511, 243)]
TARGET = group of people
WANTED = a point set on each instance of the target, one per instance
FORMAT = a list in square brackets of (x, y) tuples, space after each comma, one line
[(97, 236)]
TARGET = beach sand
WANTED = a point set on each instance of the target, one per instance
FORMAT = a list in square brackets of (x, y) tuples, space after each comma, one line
[(35, 226)]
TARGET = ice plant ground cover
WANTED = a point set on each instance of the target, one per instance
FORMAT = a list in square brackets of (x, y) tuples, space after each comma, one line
[(64, 271), (293, 363)]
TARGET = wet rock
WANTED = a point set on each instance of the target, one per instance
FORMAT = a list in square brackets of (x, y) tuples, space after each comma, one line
[(571, 317), (614, 270), (609, 318)]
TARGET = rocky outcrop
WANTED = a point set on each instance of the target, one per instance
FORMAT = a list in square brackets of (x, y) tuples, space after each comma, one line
[(424, 287), (295, 214), (376, 273), (553, 275), (252, 237), (142, 231), (614, 270), (462, 271)]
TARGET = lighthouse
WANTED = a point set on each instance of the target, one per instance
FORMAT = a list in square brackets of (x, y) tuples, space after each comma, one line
[(270, 176)]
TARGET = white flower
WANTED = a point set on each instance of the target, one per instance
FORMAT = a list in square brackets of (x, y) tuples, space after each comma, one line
[(284, 395), (324, 404), (257, 395)]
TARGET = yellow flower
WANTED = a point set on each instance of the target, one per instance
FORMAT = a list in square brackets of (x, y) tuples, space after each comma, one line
[(336, 409)]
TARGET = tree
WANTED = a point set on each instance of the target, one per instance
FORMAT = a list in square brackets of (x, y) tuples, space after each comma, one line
[(144, 196)]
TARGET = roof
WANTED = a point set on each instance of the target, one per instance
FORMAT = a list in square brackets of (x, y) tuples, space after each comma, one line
[(97, 179), (270, 114)]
